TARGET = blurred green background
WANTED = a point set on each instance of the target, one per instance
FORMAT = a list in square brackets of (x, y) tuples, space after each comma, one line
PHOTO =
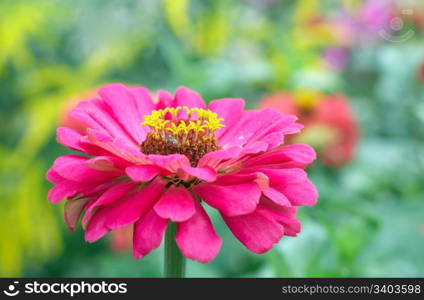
[(370, 217)]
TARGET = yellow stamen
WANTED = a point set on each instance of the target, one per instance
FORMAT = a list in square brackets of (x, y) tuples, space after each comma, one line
[(191, 134), (206, 120)]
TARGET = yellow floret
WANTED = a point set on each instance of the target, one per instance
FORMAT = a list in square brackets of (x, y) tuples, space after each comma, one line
[(206, 120)]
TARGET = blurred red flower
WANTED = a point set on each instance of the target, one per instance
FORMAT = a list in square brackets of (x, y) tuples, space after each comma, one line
[(121, 239), (330, 124), (65, 119)]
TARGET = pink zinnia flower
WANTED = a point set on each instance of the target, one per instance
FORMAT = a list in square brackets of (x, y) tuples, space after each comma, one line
[(149, 162), (376, 15), (336, 58)]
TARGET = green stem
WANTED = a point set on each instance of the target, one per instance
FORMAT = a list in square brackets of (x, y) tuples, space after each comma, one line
[(174, 260)]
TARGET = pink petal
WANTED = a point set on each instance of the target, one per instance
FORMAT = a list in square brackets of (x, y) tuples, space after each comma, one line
[(231, 200), (75, 168), (70, 138), (53, 176), (257, 231), (274, 122), (278, 177), (256, 147), (301, 193), (142, 173), (148, 234), (272, 140), (98, 116), (293, 128), (73, 210), (207, 174), (68, 189), (124, 107), (96, 135), (176, 204), (286, 216), (293, 183), (171, 162), (196, 237), (290, 156), (143, 100), (189, 98), (228, 109), (106, 163), (241, 131), (258, 177), (117, 146), (214, 159), (123, 212), (165, 99), (113, 194), (276, 196), (255, 126), (292, 226)]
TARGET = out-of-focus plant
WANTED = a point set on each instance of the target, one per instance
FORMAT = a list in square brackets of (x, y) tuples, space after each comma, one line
[(19, 22), (206, 29), (27, 224), (370, 24), (331, 126), (39, 76), (296, 45), (286, 46)]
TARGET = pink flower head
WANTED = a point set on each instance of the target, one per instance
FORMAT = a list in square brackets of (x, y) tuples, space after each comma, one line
[(336, 58), (149, 162), (375, 15)]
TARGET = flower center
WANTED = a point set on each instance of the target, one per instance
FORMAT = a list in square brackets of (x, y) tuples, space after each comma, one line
[(188, 131), (307, 100)]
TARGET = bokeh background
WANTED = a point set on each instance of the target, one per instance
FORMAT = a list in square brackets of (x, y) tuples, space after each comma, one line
[(370, 217)]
